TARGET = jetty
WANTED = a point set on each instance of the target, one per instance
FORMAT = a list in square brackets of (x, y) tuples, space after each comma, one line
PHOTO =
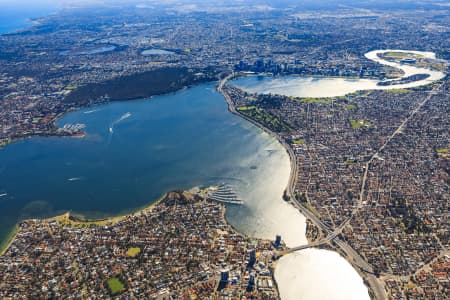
[(225, 194)]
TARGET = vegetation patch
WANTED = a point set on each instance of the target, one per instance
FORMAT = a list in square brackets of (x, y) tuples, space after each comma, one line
[(71, 87), (133, 251), (244, 108), (442, 150), (350, 106), (358, 124), (266, 119), (393, 54), (317, 100), (115, 286), (140, 85), (398, 91), (298, 141), (401, 55)]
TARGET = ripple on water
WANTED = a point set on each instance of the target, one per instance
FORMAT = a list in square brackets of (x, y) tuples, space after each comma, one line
[(308, 86), (318, 274)]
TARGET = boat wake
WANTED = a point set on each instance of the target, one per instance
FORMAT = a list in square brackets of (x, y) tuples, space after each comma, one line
[(91, 111), (74, 179), (123, 117)]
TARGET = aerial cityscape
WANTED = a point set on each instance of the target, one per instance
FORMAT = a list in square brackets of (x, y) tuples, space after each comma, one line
[(229, 149)]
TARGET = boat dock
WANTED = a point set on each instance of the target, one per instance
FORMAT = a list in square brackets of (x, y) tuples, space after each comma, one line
[(225, 194)]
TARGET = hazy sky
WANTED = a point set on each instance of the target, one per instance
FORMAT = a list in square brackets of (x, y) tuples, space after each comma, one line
[(327, 4)]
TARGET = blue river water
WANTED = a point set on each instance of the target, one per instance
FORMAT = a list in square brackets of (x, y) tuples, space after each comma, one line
[(135, 151)]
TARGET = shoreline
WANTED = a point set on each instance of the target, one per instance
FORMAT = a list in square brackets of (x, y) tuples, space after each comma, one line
[(371, 55), (9, 239), (289, 189), (231, 108), (83, 134), (66, 220), (288, 149), (78, 219)]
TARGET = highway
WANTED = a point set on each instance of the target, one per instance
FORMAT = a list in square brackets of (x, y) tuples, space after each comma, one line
[(354, 258)]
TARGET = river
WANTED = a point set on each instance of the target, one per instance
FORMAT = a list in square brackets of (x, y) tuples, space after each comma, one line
[(313, 273), (310, 86), (134, 151)]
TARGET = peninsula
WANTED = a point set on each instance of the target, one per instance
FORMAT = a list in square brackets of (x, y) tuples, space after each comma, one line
[(369, 167), (180, 247), (351, 163)]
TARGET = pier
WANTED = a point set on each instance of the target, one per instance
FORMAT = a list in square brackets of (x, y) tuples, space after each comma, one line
[(225, 194)]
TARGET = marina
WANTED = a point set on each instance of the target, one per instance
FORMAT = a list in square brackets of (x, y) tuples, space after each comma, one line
[(225, 194)]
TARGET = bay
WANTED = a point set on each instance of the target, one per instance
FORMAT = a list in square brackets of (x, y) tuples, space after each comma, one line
[(135, 151)]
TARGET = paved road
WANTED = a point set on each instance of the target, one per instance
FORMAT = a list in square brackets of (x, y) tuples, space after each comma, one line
[(353, 257)]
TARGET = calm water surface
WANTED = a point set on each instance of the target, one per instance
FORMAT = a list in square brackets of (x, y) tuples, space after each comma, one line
[(318, 274), (15, 15), (309, 86), (135, 151), (156, 52)]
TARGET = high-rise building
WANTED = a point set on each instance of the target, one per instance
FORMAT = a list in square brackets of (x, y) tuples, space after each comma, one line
[(277, 242), (251, 282), (224, 275), (252, 257)]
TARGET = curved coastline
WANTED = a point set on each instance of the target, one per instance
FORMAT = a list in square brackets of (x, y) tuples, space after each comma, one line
[(239, 226), (79, 218), (408, 70), (323, 87), (290, 187), (231, 108), (288, 149), (374, 287)]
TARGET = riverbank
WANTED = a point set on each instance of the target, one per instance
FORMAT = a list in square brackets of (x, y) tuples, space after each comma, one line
[(79, 220), (53, 131), (351, 258), (206, 257), (412, 76), (288, 149), (344, 241), (157, 82)]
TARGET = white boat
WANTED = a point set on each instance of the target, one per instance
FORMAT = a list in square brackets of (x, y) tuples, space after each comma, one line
[(74, 179)]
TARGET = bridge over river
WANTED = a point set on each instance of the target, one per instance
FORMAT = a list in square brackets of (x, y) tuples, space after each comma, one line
[(318, 243), (363, 266)]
